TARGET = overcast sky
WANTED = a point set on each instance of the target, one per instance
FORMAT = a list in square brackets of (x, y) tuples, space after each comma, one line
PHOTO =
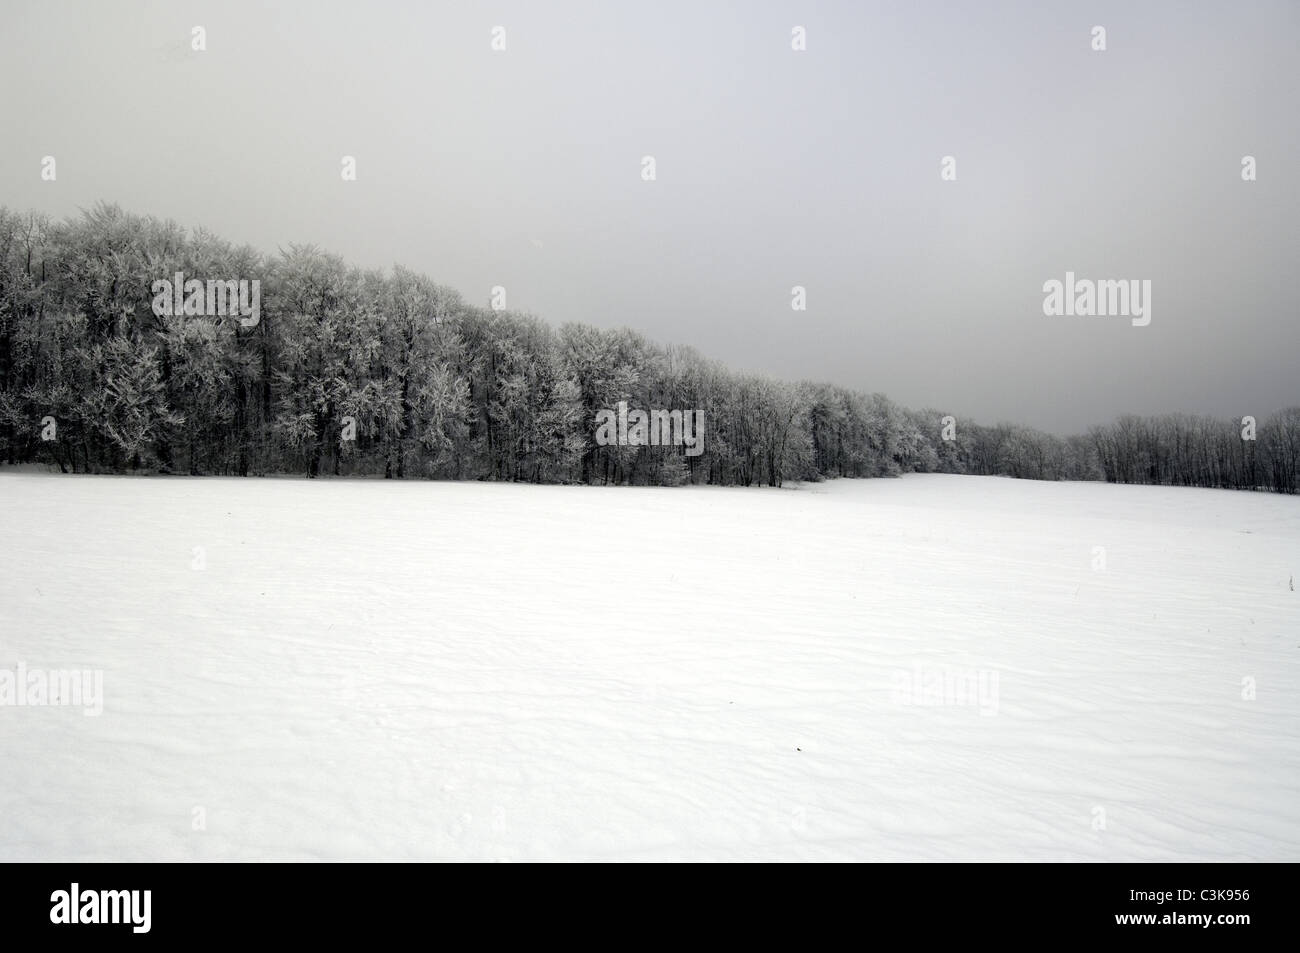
[(775, 168)]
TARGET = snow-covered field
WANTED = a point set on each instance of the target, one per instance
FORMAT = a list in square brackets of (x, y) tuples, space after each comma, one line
[(934, 667)]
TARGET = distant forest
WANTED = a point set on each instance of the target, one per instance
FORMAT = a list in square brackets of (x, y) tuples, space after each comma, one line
[(438, 388)]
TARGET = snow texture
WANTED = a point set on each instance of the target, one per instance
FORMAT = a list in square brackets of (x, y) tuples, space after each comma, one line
[(347, 670)]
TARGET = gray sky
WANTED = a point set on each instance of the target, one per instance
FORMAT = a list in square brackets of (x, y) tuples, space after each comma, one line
[(775, 168)]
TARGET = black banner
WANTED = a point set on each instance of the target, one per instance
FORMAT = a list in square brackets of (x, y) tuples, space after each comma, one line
[(1166, 903)]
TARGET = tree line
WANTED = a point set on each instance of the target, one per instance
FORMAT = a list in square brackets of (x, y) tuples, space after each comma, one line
[(362, 372)]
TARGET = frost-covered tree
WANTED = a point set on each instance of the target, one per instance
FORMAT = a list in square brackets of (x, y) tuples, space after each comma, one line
[(370, 372)]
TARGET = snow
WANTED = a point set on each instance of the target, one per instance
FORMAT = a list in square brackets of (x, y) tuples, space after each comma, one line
[(466, 671)]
